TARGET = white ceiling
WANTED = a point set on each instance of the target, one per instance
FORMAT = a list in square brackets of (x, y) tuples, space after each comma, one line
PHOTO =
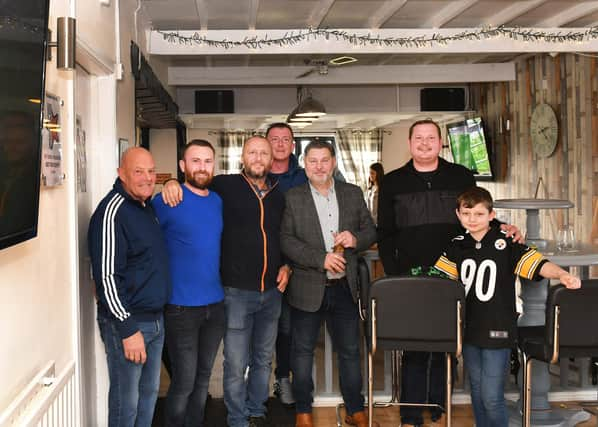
[(204, 65)]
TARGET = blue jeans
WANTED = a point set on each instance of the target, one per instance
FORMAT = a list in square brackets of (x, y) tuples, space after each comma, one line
[(423, 380), (283, 342), (193, 335), (251, 325), (486, 369), (342, 320), (133, 386)]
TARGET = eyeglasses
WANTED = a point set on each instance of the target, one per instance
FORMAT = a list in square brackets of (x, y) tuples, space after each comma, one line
[(276, 140)]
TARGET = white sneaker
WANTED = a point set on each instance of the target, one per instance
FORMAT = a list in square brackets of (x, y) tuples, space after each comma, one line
[(284, 391)]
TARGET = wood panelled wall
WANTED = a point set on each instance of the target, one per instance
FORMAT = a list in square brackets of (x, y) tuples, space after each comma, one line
[(567, 82)]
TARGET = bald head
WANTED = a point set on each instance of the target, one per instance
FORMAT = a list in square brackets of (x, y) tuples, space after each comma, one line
[(137, 173)]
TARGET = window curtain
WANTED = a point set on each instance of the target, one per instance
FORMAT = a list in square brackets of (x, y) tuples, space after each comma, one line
[(358, 149), (231, 147)]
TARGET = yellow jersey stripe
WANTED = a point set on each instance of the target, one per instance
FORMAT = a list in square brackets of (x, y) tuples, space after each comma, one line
[(447, 267), (528, 264)]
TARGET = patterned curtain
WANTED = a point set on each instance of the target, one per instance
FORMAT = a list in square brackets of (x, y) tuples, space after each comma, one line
[(231, 147), (358, 149)]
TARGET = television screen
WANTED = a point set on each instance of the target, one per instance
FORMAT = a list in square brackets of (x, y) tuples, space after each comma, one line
[(469, 148), (23, 34)]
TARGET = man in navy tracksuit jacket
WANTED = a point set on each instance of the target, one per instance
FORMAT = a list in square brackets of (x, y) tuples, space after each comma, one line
[(130, 269)]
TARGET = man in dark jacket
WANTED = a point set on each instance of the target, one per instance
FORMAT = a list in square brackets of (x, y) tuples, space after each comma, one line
[(416, 220), (285, 169), (130, 268), (285, 166)]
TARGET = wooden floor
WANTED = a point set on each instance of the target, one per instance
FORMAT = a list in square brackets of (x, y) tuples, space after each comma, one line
[(389, 417)]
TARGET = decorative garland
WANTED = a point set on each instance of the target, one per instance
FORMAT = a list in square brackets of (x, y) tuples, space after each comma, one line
[(296, 37)]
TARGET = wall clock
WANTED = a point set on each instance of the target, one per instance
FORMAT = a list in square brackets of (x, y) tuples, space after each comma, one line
[(544, 130)]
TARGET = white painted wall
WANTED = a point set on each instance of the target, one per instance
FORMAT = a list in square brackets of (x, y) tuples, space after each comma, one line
[(163, 148), (39, 280), (395, 149), (37, 320)]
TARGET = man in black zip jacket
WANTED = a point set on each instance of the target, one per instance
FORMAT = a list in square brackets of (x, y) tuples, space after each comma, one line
[(416, 220), (130, 269), (253, 276)]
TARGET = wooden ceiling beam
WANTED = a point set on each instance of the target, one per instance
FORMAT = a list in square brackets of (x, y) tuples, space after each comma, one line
[(254, 5), (202, 12), (385, 12), (319, 13), (571, 14), (513, 11), (448, 13)]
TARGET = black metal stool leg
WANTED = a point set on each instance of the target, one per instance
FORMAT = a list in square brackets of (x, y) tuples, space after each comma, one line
[(449, 389)]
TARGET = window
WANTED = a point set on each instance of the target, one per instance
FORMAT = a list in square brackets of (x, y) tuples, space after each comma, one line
[(301, 142)]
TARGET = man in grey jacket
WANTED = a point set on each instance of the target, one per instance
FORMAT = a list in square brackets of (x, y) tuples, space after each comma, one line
[(325, 225)]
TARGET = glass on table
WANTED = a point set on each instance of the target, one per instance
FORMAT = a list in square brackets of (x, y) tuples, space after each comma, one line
[(565, 241)]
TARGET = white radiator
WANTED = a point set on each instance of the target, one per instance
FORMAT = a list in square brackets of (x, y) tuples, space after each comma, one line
[(49, 400)]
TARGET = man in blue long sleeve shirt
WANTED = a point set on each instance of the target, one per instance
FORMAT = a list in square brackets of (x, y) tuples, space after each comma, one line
[(130, 269)]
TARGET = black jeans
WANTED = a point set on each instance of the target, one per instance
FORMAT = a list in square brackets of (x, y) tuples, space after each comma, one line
[(193, 335), (342, 320), (423, 381), (283, 342)]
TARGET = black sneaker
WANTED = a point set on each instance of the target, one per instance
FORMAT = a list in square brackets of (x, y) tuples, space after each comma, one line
[(258, 422), (284, 391)]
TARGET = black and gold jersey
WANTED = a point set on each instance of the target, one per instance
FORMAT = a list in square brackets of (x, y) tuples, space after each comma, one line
[(488, 270)]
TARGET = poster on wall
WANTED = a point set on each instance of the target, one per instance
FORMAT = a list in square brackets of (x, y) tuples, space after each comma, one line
[(51, 146), (80, 136), (123, 145)]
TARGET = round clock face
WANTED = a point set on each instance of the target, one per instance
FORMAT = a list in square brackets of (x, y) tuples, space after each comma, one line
[(544, 130)]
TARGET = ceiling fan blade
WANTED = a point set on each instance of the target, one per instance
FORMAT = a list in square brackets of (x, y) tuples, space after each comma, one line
[(305, 74)]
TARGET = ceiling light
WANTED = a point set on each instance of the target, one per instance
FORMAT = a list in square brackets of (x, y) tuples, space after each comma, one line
[(299, 125), (302, 119), (310, 107), (342, 60)]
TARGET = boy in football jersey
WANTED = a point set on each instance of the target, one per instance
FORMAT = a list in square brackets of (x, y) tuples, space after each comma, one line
[(486, 262)]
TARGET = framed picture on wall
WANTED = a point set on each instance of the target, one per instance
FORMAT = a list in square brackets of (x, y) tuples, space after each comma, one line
[(123, 145)]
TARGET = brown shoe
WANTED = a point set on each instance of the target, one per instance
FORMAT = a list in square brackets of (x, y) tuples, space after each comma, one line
[(304, 420), (359, 419)]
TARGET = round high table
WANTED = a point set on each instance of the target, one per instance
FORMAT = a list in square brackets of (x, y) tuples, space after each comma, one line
[(532, 208), (533, 296)]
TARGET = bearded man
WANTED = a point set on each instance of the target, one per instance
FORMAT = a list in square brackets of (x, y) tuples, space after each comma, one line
[(254, 278), (194, 316)]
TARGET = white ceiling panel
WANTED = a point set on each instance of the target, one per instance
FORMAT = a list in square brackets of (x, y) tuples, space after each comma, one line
[(414, 13), (284, 14), (352, 13), (543, 12), (171, 11), (226, 16), (479, 12), (586, 21), (230, 19)]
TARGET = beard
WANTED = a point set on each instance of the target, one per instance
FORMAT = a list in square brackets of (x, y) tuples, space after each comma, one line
[(255, 174), (199, 180)]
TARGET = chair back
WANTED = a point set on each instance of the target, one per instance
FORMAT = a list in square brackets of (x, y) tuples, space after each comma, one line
[(577, 319), (363, 286), (417, 313)]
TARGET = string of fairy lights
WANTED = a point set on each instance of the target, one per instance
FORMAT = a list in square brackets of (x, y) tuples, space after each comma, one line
[(372, 39)]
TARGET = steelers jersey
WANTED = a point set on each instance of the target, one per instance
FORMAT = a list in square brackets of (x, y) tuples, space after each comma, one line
[(488, 270)]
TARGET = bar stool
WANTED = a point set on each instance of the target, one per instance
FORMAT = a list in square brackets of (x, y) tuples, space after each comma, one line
[(571, 330), (395, 312)]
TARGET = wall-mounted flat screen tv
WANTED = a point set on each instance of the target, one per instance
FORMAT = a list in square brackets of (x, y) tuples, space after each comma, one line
[(23, 40), (469, 147)]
